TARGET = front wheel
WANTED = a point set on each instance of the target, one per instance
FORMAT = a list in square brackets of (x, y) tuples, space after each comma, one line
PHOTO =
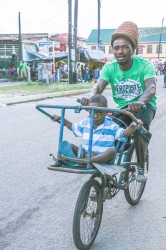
[(135, 189), (87, 215)]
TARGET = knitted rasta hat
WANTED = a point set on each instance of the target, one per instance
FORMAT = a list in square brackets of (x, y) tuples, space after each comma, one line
[(128, 30)]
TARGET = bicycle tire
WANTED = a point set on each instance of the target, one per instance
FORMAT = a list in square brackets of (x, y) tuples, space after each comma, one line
[(135, 189), (86, 220)]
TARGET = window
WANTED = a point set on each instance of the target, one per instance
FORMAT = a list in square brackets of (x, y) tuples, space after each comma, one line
[(93, 47), (149, 49), (159, 48)]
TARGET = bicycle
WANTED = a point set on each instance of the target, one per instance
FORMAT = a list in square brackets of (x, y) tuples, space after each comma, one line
[(106, 180)]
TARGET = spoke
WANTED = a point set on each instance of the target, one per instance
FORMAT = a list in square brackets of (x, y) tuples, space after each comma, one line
[(134, 187), (88, 219)]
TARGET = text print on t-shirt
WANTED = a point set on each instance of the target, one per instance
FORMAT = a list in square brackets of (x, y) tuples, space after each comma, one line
[(128, 90)]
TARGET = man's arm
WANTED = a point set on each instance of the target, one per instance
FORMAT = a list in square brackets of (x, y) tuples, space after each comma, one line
[(150, 91), (97, 89)]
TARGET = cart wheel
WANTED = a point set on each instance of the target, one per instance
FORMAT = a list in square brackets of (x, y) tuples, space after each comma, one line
[(135, 189), (87, 215)]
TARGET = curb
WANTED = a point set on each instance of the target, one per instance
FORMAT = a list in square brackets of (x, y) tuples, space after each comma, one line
[(32, 98)]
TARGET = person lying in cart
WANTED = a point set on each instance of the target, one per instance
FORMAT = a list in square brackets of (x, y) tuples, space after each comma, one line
[(105, 132)]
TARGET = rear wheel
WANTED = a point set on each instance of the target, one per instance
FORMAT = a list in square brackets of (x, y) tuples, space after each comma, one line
[(87, 215), (135, 189)]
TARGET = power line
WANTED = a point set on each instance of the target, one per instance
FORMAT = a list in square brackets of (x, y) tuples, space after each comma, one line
[(48, 20)]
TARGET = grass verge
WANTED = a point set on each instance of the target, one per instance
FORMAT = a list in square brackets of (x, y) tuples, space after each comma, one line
[(37, 88)]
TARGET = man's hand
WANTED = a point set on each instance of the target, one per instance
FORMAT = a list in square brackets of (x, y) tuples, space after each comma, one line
[(135, 106), (84, 101)]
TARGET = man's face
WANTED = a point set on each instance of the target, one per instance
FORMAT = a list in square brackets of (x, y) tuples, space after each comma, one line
[(122, 50), (99, 115)]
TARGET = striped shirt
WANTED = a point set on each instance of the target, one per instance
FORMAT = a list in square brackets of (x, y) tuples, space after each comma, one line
[(103, 137)]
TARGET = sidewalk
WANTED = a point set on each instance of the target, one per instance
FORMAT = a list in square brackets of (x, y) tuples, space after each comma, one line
[(9, 99)]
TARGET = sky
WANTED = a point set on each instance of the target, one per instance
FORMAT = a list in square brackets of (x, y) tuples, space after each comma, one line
[(51, 16)]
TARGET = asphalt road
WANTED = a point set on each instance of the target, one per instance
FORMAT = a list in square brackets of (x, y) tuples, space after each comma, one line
[(37, 205)]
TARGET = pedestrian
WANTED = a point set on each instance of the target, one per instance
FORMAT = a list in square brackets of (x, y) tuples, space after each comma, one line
[(83, 72), (161, 69), (23, 74), (91, 75), (53, 72), (63, 69), (96, 74), (33, 73), (132, 80), (164, 72), (12, 72), (87, 75), (79, 73), (28, 69)]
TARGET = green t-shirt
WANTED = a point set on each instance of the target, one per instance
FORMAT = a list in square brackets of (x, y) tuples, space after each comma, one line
[(128, 86), (23, 66)]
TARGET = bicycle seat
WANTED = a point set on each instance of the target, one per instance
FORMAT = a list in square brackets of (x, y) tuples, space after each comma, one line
[(109, 169)]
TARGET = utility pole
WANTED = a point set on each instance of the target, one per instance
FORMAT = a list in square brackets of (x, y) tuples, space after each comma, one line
[(75, 40), (160, 39), (99, 39), (20, 38), (70, 76)]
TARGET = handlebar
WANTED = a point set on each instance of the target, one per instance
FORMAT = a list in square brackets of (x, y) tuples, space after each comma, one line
[(128, 113), (77, 109), (78, 100)]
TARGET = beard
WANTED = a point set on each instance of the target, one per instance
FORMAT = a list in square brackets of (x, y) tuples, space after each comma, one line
[(122, 63)]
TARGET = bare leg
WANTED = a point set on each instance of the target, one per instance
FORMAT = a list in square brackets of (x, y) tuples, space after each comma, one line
[(104, 157)]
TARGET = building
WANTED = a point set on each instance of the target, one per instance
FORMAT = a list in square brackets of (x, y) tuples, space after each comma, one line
[(8, 41), (63, 40), (43, 43), (152, 42), (36, 47)]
